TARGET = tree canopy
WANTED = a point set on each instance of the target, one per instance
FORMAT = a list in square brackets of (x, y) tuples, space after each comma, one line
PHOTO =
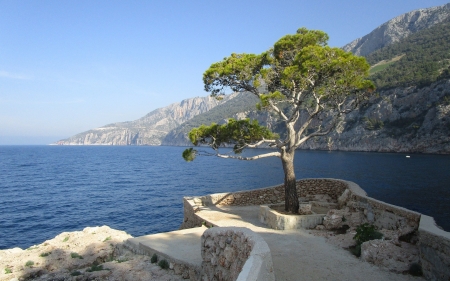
[(305, 83)]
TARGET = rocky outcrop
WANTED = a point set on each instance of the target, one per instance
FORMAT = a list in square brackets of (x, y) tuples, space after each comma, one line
[(398, 28), (96, 253), (408, 119), (150, 129)]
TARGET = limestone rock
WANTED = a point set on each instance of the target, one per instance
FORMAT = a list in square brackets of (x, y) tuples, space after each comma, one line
[(396, 258), (398, 28), (335, 218)]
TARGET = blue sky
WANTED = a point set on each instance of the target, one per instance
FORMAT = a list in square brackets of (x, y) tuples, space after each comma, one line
[(69, 66)]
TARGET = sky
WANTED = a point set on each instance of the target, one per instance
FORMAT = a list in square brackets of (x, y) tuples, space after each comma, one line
[(70, 66)]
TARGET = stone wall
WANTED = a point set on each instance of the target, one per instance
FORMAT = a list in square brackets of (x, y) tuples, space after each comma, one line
[(275, 194), (434, 245), (235, 253)]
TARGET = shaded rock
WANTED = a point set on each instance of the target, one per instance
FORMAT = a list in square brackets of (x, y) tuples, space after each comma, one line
[(396, 258)]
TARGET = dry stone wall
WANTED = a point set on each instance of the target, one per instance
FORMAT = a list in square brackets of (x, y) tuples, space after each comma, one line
[(434, 246), (235, 253), (275, 194)]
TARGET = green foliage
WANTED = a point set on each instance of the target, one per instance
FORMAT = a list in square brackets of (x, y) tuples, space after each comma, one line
[(75, 273), (366, 232), (380, 67), (426, 59), (66, 239), (95, 267), (8, 270), (45, 254), (33, 248), (154, 259), (238, 132), (163, 264), (189, 154), (75, 256), (373, 124), (107, 239), (29, 263)]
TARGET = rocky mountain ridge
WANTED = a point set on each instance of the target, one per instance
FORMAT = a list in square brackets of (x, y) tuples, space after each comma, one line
[(398, 28), (150, 129)]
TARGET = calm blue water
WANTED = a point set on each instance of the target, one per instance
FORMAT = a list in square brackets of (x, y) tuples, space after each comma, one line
[(46, 190)]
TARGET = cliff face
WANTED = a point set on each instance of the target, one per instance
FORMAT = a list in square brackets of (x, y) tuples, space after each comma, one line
[(148, 130), (398, 120), (398, 28)]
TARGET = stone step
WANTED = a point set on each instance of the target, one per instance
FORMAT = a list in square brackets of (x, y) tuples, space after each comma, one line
[(180, 246)]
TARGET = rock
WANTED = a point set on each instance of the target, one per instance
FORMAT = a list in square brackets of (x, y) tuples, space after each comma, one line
[(390, 256), (345, 196), (335, 218), (398, 28)]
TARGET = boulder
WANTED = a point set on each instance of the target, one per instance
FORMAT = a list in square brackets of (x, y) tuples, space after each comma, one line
[(385, 253)]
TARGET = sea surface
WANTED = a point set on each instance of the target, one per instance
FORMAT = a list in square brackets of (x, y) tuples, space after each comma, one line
[(46, 190)]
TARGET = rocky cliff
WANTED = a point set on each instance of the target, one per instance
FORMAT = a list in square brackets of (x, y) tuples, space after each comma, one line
[(398, 28), (408, 119), (148, 130)]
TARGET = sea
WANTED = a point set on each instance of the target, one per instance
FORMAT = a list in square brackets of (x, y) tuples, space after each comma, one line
[(46, 190)]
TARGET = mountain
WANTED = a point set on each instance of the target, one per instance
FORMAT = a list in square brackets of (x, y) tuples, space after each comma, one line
[(150, 129), (398, 28), (410, 113)]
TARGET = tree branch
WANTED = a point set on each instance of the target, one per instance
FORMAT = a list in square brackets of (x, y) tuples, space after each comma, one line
[(270, 154)]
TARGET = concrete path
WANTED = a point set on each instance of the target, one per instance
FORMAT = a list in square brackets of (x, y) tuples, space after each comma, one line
[(182, 245), (296, 254)]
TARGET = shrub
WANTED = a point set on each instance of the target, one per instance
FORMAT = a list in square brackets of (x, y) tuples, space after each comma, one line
[(29, 263), (366, 232), (66, 239), (75, 256), (154, 258), (45, 254), (95, 267), (75, 273), (107, 239), (8, 270), (163, 264)]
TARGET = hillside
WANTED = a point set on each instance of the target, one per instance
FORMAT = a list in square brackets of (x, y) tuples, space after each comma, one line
[(398, 28), (150, 129), (419, 59)]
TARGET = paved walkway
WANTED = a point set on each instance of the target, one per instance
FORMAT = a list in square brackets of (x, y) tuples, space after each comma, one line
[(296, 254)]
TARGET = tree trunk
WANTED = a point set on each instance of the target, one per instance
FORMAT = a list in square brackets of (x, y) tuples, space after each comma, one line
[(291, 203)]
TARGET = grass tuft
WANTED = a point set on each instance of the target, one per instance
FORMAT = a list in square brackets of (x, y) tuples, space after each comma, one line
[(66, 239), (154, 259), (8, 270), (29, 263)]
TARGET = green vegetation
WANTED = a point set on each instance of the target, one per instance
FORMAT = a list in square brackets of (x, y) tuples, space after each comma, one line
[(373, 124), (424, 59), (75, 256), (66, 239), (163, 264), (364, 232), (33, 248), (29, 263), (95, 267), (154, 259), (8, 270), (107, 239), (45, 254), (75, 273), (301, 81)]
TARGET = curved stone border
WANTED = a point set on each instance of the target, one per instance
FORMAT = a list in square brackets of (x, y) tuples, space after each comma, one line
[(434, 245), (235, 253), (434, 242), (280, 221)]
